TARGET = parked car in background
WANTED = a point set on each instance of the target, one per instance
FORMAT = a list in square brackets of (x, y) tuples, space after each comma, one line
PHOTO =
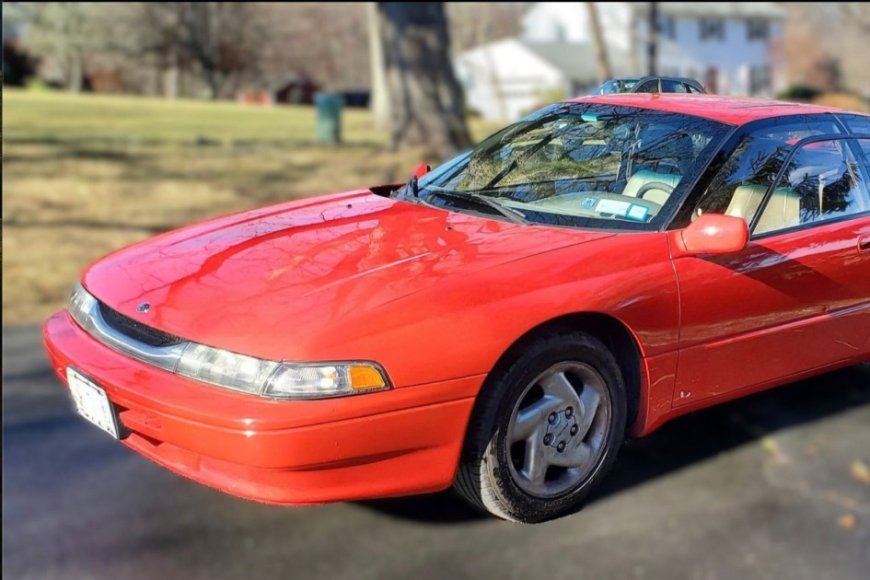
[(651, 84), (501, 323)]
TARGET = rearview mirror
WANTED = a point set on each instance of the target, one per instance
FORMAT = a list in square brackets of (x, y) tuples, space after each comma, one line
[(421, 170), (711, 234)]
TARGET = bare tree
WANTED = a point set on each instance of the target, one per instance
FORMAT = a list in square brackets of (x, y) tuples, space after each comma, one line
[(323, 42), (604, 71), (221, 42), (220, 37), (824, 44), (474, 23), (426, 99), (62, 33), (858, 13)]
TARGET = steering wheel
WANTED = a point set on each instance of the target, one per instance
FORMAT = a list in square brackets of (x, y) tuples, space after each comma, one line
[(654, 185)]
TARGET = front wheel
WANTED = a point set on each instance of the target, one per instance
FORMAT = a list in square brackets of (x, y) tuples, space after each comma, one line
[(545, 431)]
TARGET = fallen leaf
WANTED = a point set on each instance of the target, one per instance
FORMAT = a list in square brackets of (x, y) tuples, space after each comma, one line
[(860, 471), (847, 521), (772, 447)]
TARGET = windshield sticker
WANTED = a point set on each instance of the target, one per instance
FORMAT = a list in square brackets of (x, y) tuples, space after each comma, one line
[(588, 203), (637, 212), (613, 206)]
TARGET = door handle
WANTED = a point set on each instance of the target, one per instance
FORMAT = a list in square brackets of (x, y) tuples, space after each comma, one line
[(864, 244)]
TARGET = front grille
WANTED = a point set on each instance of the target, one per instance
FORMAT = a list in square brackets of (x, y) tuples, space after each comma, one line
[(137, 330)]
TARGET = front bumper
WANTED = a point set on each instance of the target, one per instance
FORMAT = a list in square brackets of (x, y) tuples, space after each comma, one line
[(398, 442)]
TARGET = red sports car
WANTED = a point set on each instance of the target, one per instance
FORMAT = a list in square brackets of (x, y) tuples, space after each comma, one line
[(500, 324)]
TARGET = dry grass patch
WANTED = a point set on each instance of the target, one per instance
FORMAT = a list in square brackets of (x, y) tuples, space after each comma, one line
[(84, 175)]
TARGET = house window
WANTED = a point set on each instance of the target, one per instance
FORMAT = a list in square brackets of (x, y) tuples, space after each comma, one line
[(757, 29), (668, 27), (712, 28), (759, 79)]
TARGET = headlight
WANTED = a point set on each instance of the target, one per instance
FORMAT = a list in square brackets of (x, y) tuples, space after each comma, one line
[(231, 370), (330, 380)]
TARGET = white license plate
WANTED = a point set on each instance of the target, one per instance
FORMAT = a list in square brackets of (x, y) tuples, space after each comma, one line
[(91, 402)]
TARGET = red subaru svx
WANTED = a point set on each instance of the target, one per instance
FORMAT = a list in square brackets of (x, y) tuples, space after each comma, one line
[(500, 324)]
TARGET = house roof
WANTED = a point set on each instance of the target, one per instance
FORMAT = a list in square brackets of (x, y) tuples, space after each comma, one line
[(732, 110), (577, 61), (718, 9)]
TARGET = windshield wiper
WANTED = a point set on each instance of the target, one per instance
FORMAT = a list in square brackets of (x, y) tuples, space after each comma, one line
[(481, 200)]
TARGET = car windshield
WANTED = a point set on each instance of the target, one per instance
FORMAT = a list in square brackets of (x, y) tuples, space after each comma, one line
[(577, 164), (617, 86)]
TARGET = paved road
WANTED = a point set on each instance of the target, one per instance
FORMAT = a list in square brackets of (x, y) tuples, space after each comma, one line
[(756, 489)]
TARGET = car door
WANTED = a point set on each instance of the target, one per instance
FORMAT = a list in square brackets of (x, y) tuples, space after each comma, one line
[(797, 298)]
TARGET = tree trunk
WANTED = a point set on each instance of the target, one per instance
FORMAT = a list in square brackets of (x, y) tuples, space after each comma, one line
[(425, 97), (604, 71), (214, 85), (170, 78), (653, 39), (380, 100), (76, 71)]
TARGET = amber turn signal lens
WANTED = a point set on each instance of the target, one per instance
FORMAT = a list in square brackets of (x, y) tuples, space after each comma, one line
[(365, 377)]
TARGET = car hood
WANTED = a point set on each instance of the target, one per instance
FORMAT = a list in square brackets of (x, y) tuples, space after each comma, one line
[(269, 282)]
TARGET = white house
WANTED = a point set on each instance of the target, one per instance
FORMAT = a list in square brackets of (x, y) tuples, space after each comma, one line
[(506, 79), (730, 47)]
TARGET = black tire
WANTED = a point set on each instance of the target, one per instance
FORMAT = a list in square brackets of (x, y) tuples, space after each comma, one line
[(485, 479)]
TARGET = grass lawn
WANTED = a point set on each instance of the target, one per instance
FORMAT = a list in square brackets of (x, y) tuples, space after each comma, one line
[(83, 175)]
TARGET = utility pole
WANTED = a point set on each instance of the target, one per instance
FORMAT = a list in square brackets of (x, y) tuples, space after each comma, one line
[(604, 71), (653, 39)]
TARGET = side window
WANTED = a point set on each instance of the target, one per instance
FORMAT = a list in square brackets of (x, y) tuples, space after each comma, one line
[(692, 90), (865, 149), (857, 123), (669, 86), (739, 186), (649, 87), (822, 181)]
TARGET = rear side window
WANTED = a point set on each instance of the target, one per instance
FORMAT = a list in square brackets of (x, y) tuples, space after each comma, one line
[(693, 90), (857, 123), (822, 181), (738, 187), (669, 86), (865, 149)]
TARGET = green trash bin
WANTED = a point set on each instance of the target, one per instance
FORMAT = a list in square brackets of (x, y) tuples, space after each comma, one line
[(328, 107)]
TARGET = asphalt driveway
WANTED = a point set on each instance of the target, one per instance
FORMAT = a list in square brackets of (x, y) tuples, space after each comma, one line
[(773, 486)]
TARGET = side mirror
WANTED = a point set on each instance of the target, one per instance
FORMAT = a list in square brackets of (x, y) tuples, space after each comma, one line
[(711, 234), (421, 170)]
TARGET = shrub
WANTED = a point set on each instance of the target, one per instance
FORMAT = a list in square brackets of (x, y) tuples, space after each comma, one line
[(799, 93)]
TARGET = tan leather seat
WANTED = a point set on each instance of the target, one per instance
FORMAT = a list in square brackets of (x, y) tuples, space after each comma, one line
[(644, 176), (782, 211)]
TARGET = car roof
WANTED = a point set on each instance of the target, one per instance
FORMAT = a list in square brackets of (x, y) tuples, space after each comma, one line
[(732, 110)]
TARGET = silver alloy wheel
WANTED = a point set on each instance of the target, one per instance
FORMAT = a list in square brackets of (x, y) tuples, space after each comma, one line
[(558, 429)]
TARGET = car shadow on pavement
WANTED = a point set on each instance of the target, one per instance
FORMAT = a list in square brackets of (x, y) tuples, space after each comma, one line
[(682, 442)]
